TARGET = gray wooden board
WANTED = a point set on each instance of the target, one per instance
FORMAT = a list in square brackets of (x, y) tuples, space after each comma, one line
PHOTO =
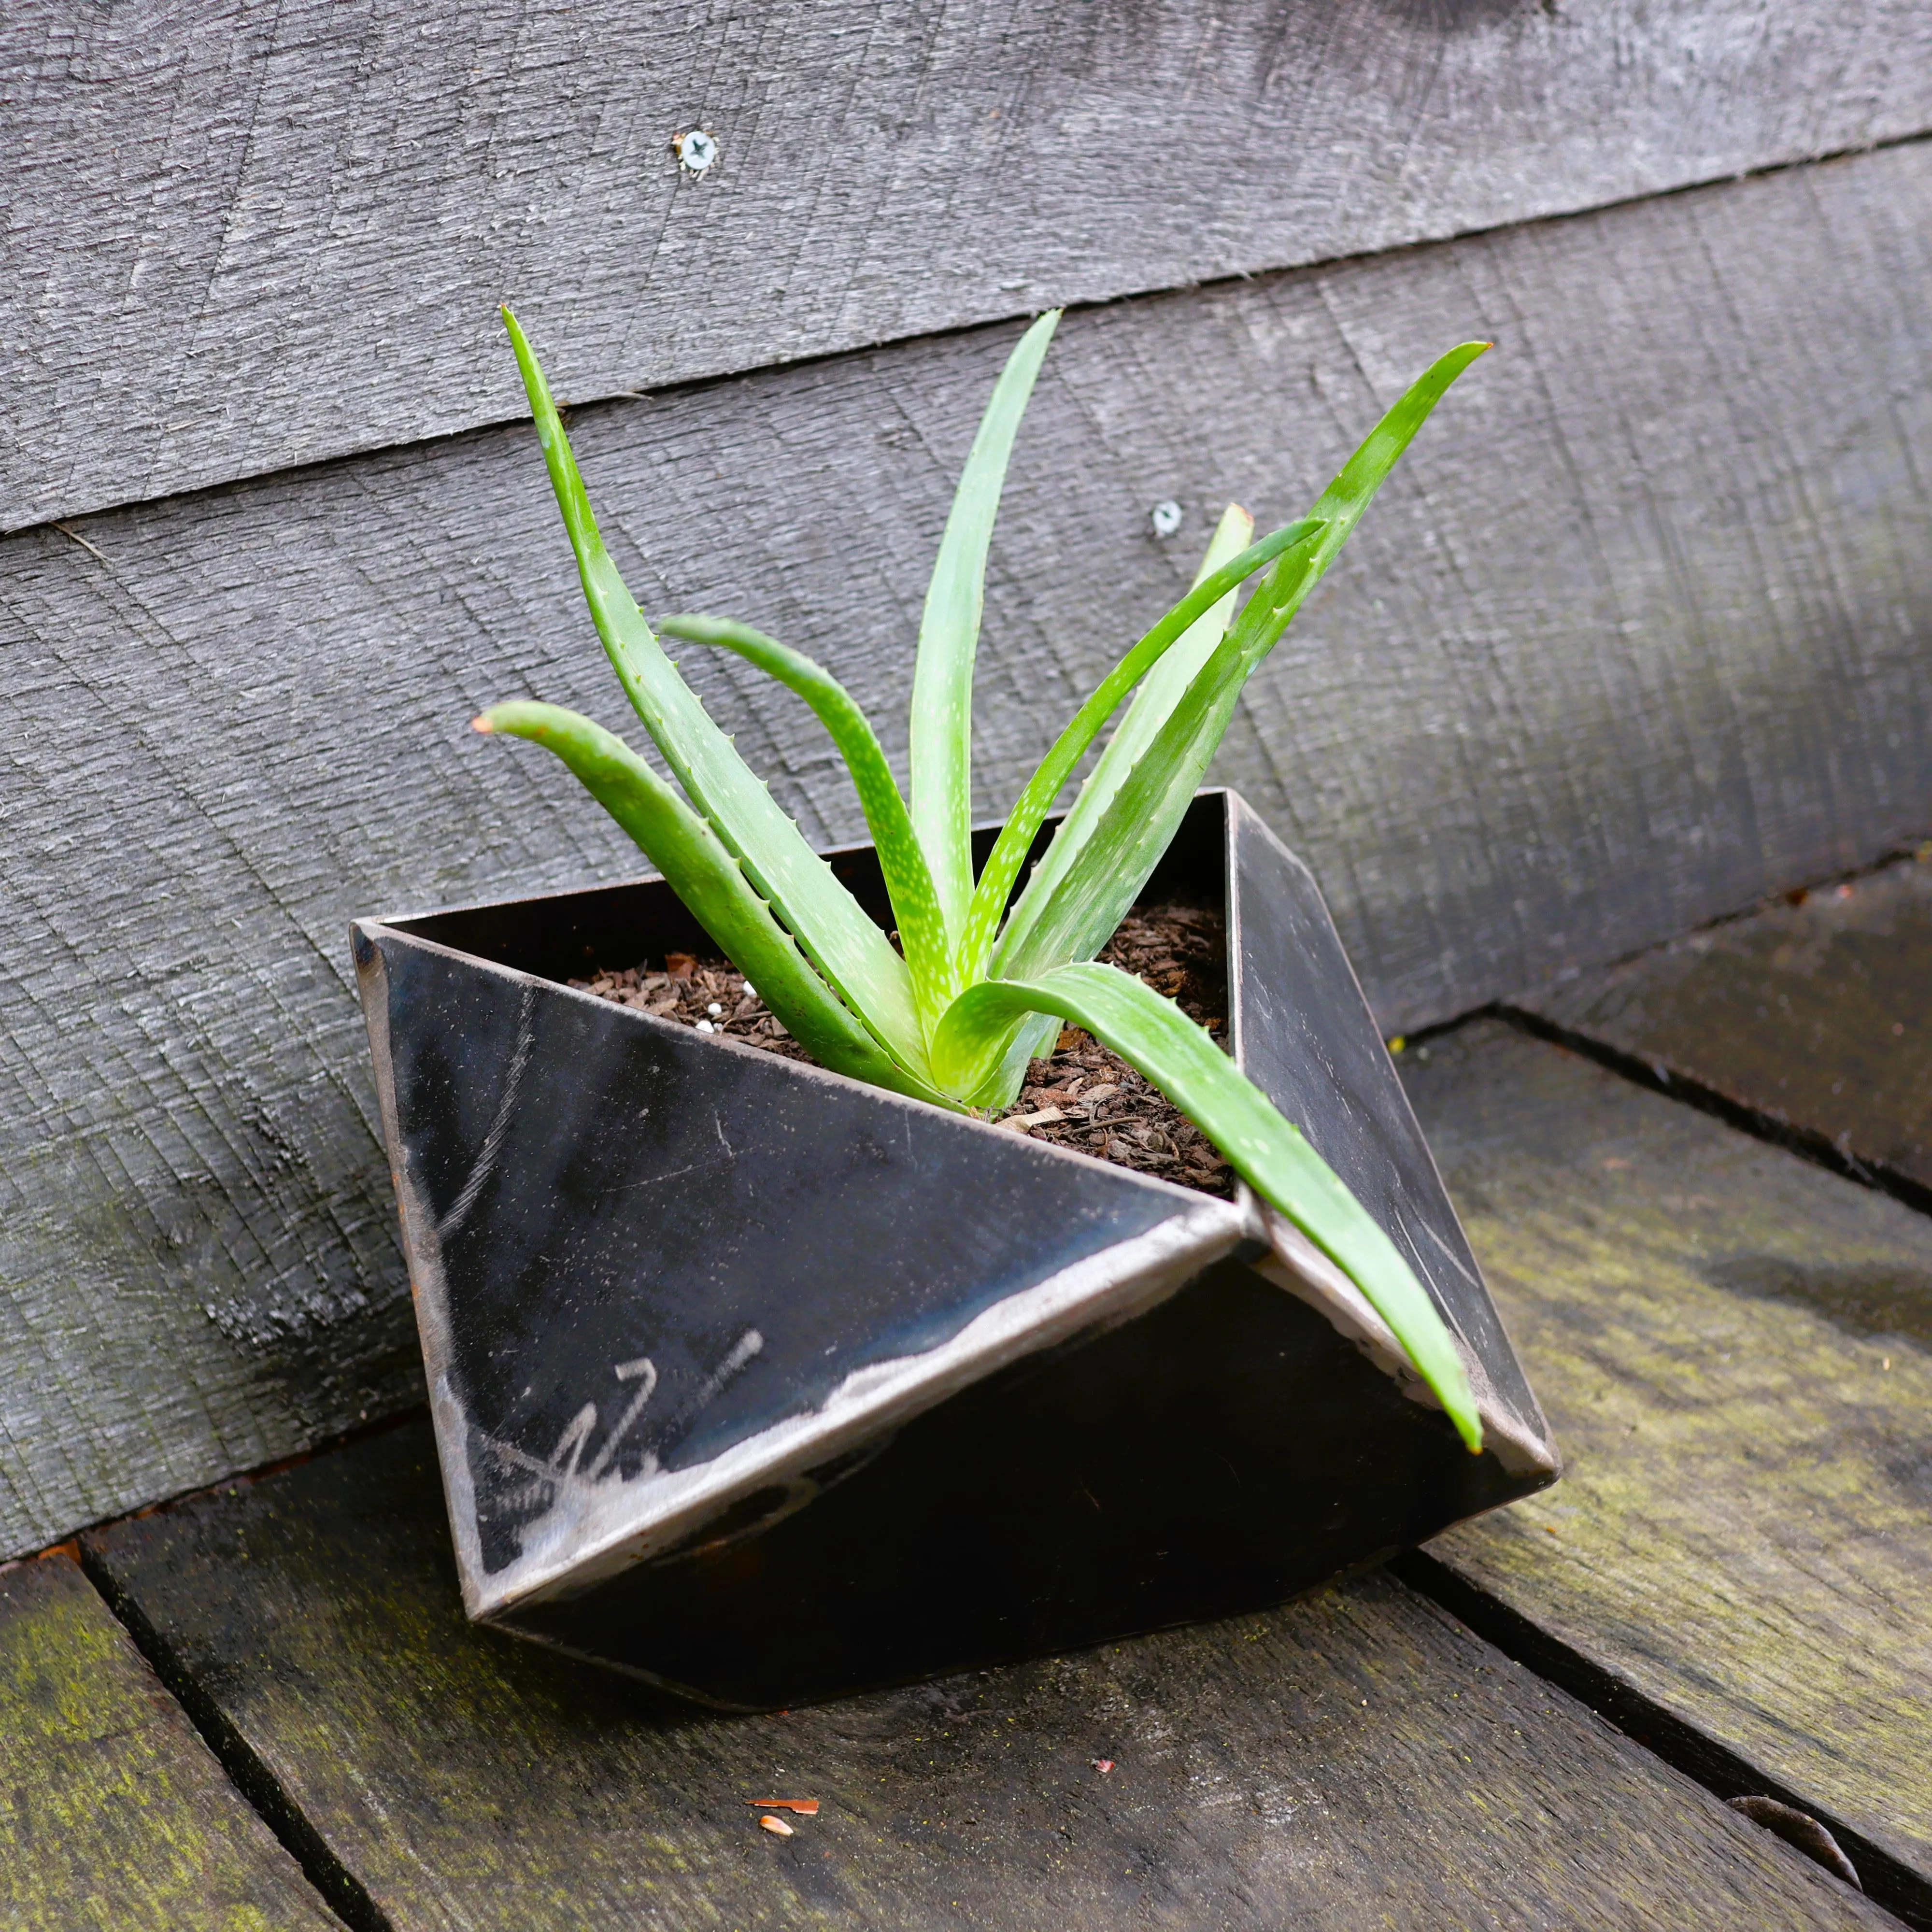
[(113, 1814), (1637, 635), (1358, 1759), (1734, 1350), (238, 237), (1816, 1016)]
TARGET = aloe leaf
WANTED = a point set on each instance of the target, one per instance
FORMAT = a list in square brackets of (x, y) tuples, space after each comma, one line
[(1160, 691), (948, 635), (915, 904), (1273, 1156), (1068, 912), (1134, 828), (1215, 589), (1155, 698), (711, 883), (845, 945), (1341, 504)]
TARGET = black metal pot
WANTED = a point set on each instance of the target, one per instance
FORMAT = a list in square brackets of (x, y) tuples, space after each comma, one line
[(767, 1385)]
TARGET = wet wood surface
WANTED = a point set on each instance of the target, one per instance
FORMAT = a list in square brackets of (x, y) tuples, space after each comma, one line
[(113, 1813), (1603, 662), (1734, 1350), (239, 238), (1357, 1758), (1815, 1014)]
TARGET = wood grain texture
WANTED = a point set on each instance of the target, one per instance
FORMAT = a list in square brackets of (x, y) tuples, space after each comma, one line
[(1734, 1350), (1356, 1759), (1817, 1016), (1637, 634), (238, 237), (113, 1815)]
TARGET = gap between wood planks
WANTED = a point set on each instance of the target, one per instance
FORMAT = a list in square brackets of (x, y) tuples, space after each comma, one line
[(341, 1890), (1805, 1142), (1719, 1770), (1644, 1721), (616, 398)]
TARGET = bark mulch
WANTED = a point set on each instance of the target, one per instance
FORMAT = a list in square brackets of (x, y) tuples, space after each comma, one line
[(1083, 1096)]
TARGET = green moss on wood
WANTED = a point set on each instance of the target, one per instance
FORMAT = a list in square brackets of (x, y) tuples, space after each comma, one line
[(112, 1813), (1354, 1759), (1730, 1344)]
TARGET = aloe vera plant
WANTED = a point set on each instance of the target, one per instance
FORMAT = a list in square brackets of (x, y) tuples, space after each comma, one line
[(985, 978)]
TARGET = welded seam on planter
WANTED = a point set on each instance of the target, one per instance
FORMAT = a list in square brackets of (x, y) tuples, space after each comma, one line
[(1808, 1144), (1725, 1773), (1297, 1267), (341, 1890), (601, 1535), (614, 399)]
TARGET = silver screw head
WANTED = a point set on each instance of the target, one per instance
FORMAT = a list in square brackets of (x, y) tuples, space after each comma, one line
[(696, 150), (1165, 518)]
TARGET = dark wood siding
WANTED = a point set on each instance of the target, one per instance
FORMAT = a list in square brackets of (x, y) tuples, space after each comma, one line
[(238, 237), (1639, 634)]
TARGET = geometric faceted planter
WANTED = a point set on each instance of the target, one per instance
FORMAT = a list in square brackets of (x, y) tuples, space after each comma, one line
[(767, 1385)]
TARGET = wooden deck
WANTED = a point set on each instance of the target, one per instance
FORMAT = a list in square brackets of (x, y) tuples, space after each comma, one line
[(1733, 1342), (1638, 636)]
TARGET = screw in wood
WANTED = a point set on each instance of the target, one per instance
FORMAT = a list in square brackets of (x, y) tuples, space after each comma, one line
[(697, 151)]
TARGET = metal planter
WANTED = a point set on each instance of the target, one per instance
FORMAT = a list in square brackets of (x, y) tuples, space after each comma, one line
[(767, 1385)]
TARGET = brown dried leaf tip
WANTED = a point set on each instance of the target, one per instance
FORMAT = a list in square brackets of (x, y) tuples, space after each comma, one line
[(777, 1825), (1801, 1831)]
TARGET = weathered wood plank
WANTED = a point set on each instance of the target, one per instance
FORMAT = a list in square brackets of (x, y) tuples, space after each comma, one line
[(239, 238), (1355, 1759), (1816, 1016), (1735, 1350), (1637, 636), (112, 1813)]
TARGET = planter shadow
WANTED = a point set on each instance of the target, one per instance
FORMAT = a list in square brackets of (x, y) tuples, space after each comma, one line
[(768, 1386)]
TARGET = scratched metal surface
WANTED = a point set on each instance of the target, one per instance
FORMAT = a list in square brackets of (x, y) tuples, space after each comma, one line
[(865, 1366)]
